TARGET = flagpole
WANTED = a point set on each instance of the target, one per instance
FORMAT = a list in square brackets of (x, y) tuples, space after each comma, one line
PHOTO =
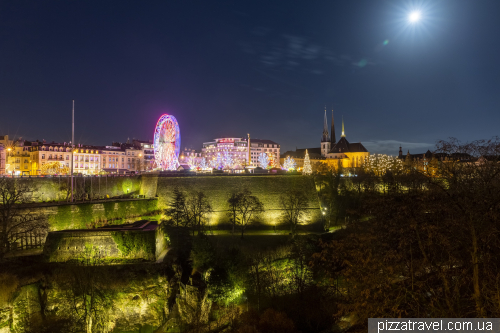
[(72, 146)]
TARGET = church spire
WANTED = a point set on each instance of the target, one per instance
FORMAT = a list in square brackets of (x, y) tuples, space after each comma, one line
[(343, 133), (332, 132), (325, 137)]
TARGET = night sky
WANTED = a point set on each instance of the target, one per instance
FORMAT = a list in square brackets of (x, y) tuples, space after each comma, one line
[(227, 68)]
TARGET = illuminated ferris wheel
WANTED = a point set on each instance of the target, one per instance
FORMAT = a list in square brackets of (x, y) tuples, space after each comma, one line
[(167, 143)]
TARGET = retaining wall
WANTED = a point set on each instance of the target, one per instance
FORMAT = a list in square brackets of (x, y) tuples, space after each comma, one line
[(218, 189)]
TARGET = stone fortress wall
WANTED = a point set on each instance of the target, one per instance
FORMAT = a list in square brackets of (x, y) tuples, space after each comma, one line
[(143, 240), (81, 215), (58, 188), (267, 188)]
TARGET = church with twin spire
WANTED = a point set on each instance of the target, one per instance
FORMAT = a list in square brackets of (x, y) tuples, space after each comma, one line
[(342, 152)]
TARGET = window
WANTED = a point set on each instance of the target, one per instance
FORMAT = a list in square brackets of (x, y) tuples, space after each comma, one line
[(60, 157), (50, 156), (67, 158), (123, 159), (25, 161), (43, 156)]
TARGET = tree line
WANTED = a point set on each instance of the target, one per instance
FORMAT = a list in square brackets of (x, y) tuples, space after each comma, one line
[(417, 243), (243, 209)]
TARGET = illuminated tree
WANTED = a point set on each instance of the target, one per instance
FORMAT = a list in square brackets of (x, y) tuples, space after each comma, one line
[(197, 208), (227, 161), (294, 205), (307, 165), (273, 162), (191, 162), (379, 164), (203, 164), (247, 207), (55, 168), (289, 164), (263, 160), (215, 162)]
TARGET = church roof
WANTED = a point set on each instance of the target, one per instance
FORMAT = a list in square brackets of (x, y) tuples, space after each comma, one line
[(314, 153), (343, 146)]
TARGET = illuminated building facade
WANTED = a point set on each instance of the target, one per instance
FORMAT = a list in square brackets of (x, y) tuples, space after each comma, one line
[(23, 158), (147, 153), (87, 160), (237, 149), (18, 159), (190, 157), (2, 160), (271, 148), (113, 160), (240, 152)]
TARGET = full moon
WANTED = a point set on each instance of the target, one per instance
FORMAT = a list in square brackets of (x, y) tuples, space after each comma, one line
[(414, 16)]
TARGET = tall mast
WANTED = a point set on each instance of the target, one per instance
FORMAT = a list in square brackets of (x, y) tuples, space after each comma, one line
[(72, 145)]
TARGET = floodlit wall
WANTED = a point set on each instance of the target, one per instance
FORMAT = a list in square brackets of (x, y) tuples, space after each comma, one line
[(218, 189), (58, 188), (106, 245), (84, 215)]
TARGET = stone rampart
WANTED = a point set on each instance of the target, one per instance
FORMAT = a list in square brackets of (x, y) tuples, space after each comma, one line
[(84, 215), (218, 189), (106, 245), (57, 188)]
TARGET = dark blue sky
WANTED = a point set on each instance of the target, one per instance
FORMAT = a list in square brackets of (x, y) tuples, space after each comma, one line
[(226, 68)]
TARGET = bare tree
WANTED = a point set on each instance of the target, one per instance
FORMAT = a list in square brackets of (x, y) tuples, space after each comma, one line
[(233, 208), (294, 204), (18, 223), (247, 207), (196, 210)]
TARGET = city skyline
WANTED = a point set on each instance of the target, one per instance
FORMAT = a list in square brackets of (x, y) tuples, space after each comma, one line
[(228, 69)]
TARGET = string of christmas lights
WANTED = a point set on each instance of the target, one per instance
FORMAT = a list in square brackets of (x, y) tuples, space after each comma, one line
[(307, 170)]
